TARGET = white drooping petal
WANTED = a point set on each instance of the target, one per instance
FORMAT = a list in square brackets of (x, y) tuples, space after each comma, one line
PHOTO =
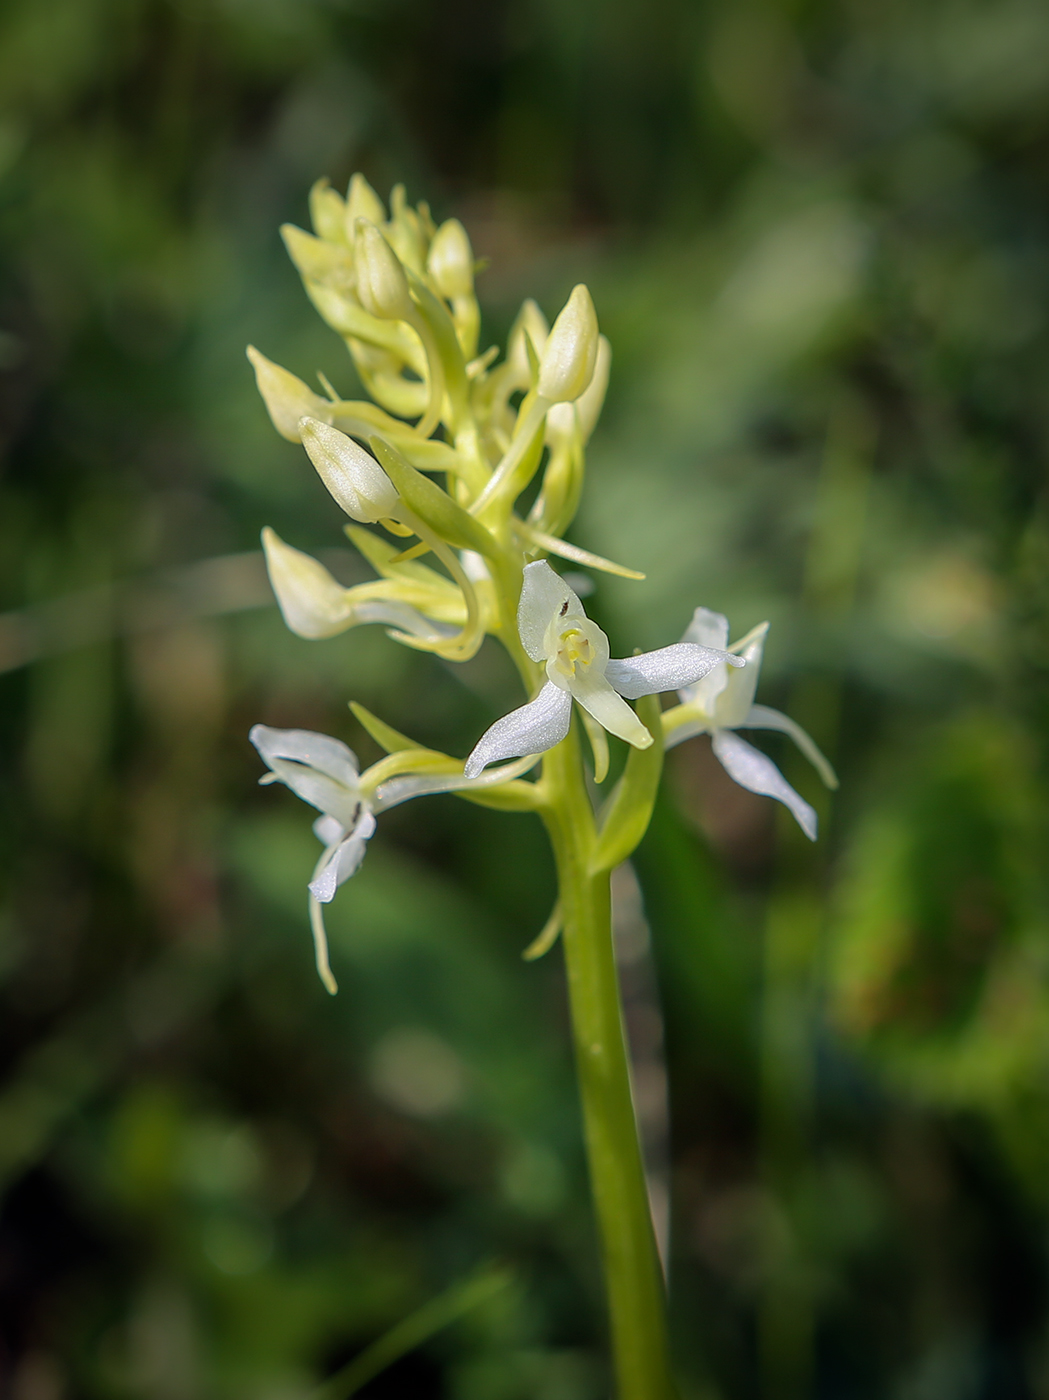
[(669, 668), (532, 729), (756, 772), (598, 698), (319, 769), (762, 717), (544, 596), (341, 861), (736, 698)]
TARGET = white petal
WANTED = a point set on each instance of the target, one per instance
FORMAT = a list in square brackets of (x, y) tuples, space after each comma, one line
[(708, 629), (532, 729), (756, 772), (735, 700), (762, 717), (598, 698), (328, 831), (544, 596), (339, 862), (320, 751), (669, 668), (319, 769)]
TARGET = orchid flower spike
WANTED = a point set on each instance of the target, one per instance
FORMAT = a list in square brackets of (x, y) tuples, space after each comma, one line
[(722, 702), (556, 631)]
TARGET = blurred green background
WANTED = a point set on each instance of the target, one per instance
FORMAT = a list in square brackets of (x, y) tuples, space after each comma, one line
[(817, 235)]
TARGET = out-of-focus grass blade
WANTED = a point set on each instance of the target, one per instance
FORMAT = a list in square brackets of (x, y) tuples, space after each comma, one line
[(419, 1327)]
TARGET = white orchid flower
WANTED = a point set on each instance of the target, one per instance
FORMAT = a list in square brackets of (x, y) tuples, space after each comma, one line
[(723, 701), (324, 772), (555, 630)]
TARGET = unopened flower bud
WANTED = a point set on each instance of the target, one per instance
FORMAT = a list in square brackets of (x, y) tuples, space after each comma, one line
[(354, 478), (362, 203), (563, 418), (532, 323), (316, 259), (287, 398), (312, 603), (567, 363), (381, 283), (327, 212), (405, 232), (451, 260)]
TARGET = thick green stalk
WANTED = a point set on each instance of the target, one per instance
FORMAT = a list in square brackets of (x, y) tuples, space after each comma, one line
[(634, 1280)]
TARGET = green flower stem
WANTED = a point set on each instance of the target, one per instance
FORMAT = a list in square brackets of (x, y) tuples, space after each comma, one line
[(634, 1279)]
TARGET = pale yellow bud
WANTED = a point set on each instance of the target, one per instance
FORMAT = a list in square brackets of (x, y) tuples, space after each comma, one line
[(564, 418), (312, 603), (451, 260), (287, 398), (381, 283), (362, 203), (405, 232), (566, 366), (354, 478), (327, 212), (316, 259), (532, 323)]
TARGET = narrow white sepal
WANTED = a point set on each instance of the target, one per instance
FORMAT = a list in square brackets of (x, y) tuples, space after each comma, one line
[(669, 668), (532, 729), (763, 717), (756, 772), (736, 698)]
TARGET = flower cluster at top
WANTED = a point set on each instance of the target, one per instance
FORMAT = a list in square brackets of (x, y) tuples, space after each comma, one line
[(399, 290)]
